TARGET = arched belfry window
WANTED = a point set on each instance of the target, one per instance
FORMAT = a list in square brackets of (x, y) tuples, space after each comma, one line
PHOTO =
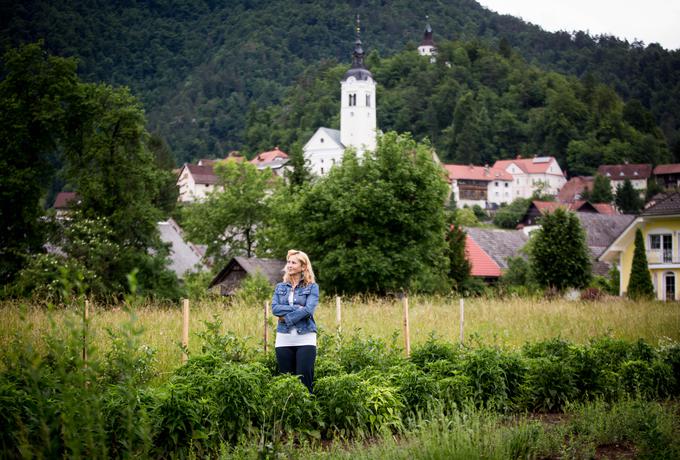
[(352, 100), (368, 99)]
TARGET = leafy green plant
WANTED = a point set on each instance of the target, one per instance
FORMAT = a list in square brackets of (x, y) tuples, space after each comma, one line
[(433, 350)]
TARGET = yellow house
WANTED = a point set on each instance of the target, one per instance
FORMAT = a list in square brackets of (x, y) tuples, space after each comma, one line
[(660, 226)]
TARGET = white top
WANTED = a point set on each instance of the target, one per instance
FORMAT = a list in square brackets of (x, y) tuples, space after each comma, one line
[(293, 339)]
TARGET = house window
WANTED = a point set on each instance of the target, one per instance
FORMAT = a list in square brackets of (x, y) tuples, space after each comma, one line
[(496, 183), (321, 140), (662, 242), (506, 185), (669, 286), (321, 170), (352, 100)]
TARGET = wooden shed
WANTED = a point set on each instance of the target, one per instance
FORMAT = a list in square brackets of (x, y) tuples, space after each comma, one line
[(232, 275)]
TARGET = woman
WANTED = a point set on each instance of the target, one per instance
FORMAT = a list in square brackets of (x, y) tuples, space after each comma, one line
[(294, 302)]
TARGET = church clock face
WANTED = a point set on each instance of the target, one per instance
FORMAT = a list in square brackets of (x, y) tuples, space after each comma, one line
[(351, 80)]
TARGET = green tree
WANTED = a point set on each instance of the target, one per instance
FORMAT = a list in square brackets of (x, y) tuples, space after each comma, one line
[(510, 215), (640, 283), (36, 96), (299, 174), (229, 220), (602, 190), (375, 224), (627, 198), (559, 254), (459, 265)]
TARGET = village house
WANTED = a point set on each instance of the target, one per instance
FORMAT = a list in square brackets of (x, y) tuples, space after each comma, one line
[(637, 174), (229, 279), (533, 174), (574, 189), (196, 182), (659, 223), (488, 250), (276, 160), (479, 185), (668, 176)]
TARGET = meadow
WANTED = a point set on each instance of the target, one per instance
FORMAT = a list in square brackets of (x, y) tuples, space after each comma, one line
[(535, 379), (508, 323)]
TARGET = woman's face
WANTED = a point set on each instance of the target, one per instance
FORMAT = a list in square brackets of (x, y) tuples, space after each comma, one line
[(293, 266)]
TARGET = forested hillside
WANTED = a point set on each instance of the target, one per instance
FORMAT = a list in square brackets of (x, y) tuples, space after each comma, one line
[(203, 69)]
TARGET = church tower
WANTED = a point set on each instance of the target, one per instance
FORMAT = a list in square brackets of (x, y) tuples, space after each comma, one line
[(427, 46), (358, 103)]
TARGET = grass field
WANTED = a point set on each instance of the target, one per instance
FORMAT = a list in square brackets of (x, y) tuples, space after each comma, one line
[(504, 322)]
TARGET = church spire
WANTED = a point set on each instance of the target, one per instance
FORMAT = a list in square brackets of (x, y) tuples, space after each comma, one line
[(427, 46), (358, 69), (358, 54)]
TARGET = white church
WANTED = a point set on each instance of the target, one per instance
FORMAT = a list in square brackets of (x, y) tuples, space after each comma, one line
[(357, 119), (357, 112)]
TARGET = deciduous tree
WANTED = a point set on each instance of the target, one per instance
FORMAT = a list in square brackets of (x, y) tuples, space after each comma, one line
[(229, 220), (375, 223)]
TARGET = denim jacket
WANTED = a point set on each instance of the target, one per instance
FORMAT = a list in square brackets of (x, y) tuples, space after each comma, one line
[(300, 315)]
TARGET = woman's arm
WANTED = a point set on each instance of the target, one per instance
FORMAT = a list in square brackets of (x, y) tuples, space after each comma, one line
[(305, 310), (280, 309)]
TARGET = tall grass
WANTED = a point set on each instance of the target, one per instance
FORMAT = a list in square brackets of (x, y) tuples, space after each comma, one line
[(505, 322)]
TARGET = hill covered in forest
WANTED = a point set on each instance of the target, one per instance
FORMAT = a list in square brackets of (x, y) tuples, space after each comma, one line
[(208, 72)]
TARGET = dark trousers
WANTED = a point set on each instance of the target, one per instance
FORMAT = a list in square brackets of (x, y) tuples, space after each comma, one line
[(298, 361)]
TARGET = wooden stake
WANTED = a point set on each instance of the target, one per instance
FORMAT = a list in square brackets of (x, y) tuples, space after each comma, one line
[(266, 328), (462, 319), (407, 332), (185, 329), (86, 318), (338, 312)]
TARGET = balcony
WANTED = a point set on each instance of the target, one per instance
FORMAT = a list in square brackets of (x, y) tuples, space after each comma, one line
[(662, 256)]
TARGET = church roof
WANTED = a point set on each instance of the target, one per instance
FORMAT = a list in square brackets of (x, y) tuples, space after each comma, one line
[(358, 69), (427, 36)]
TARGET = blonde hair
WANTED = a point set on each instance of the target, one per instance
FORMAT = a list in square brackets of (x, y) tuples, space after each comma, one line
[(307, 272)]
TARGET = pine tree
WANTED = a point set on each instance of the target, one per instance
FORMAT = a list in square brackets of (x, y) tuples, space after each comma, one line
[(640, 283), (459, 265), (559, 254), (602, 190), (628, 199)]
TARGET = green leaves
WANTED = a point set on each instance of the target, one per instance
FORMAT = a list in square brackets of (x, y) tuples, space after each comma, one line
[(562, 238)]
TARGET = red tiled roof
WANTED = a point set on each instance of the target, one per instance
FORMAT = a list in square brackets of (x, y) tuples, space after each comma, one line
[(547, 206), (575, 186), (202, 174), (667, 169), (626, 171), (538, 165), (271, 155), (63, 200), (605, 208), (476, 173), (481, 262)]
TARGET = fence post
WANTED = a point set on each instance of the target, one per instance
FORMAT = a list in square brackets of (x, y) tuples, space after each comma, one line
[(266, 329), (86, 318), (185, 329), (338, 312), (462, 319), (407, 332)]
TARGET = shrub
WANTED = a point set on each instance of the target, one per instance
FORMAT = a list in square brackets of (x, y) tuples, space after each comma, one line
[(343, 404), (550, 384), (432, 350), (289, 405), (495, 377), (417, 389), (358, 353)]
